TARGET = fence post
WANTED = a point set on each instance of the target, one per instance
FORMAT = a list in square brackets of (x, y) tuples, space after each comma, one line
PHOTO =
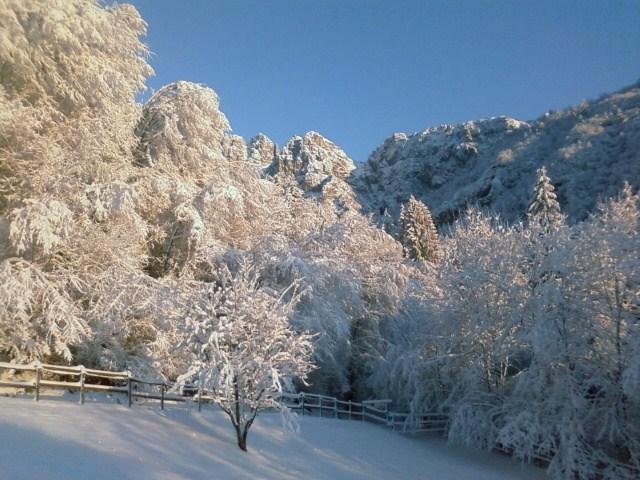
[(349, 409), (363, 407), (82, 385), (199, 399), (335, 408), (162, 396), (38, 375), (302, 404), (129, 388), (320, 403)]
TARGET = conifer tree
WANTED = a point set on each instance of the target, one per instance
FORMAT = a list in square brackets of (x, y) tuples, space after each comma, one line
[(544, 208), (418, 233)]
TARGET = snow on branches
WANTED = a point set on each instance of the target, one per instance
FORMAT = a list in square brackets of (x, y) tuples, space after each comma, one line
[(38, 227), (243, 349), (544, 208), (38, 318), (152, 238), (417, 231)]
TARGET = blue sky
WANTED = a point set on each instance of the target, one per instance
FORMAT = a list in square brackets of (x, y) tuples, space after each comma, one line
[(357, 71)]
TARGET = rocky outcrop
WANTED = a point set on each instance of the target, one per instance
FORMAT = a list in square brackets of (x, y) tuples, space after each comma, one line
[(589, 151), (319, 167), (261, 151)]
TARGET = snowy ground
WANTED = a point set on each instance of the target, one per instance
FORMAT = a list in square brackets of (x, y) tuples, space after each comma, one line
[(59, 439)]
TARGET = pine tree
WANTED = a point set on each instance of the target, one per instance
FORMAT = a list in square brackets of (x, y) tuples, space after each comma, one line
[(418, 233), (544, 208)]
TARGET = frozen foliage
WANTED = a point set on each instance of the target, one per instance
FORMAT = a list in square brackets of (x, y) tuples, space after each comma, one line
[(38, 318), (531, 343), (72, 54), (544, 208), (70, 72), (39, 226), (182, 129), (243, 349), (417, 231)]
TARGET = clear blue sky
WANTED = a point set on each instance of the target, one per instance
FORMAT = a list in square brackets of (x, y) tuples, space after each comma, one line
[(357, 71)]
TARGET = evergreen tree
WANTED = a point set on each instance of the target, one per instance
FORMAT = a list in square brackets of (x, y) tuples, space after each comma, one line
[(544, 208), (418, 233)]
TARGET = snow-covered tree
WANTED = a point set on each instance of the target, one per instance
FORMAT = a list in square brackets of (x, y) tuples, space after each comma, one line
[(70, 73), (71, 70), (124, 231), (417, 231), (544, 208), (243, 349)]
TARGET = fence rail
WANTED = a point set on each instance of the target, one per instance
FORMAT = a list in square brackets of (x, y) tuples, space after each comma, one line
[(376, 411), (82, 379), (119, 382)]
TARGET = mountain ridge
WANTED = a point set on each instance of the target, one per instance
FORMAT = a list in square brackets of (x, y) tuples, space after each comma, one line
[(589, 150)]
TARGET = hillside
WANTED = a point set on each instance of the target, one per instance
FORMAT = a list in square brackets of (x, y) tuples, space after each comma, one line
[(62, 440), (589, 151)]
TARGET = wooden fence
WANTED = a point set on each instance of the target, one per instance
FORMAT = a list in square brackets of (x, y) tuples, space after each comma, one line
[(376, 411), (79, 378), (84, 380)]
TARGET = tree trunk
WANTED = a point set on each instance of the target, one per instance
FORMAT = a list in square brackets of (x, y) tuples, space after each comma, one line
[(243, 441), (242, 438)]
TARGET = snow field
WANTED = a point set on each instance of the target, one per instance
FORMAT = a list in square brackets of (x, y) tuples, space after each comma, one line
[(57, 439)]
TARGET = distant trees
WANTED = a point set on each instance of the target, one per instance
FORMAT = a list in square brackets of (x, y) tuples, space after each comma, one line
[(242, 348), (418, 233)]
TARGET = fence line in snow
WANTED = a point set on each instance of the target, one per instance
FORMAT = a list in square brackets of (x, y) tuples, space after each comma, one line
[(118, 382), (375, 411), (92, 380)]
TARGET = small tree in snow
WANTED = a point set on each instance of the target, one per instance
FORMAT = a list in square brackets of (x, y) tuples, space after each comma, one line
[(417, 231), (544, 208), (243, 349)]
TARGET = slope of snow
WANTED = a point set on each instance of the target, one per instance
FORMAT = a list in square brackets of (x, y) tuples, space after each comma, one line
[(58, 439)]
